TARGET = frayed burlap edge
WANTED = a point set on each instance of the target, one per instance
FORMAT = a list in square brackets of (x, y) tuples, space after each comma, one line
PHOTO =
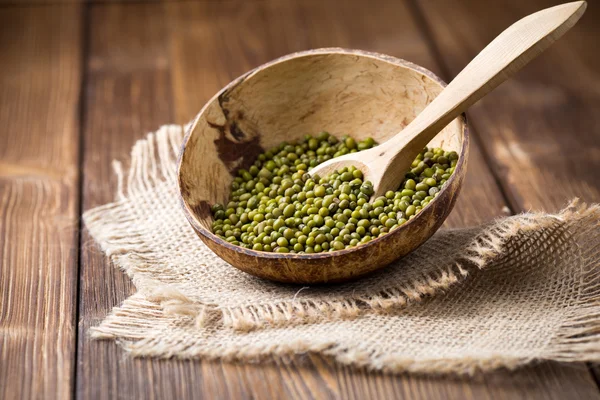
[(131, 325)]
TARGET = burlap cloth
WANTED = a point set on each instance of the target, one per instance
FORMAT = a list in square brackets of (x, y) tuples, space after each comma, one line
[(519, 289)]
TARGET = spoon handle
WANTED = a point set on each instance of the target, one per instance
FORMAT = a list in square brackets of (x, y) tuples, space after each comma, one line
[(505, 55)]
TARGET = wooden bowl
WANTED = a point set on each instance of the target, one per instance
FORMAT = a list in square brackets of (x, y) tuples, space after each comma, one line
[(340, 91)]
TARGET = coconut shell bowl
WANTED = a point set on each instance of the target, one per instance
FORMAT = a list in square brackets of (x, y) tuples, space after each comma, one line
[(335, 90)]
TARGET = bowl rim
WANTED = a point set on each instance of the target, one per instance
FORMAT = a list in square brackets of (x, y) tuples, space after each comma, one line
[(206, 233)]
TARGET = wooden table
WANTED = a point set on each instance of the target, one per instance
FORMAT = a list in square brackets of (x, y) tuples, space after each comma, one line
[(81, 82)]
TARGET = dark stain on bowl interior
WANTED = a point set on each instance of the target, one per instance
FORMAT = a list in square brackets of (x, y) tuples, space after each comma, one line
[(237, 147)]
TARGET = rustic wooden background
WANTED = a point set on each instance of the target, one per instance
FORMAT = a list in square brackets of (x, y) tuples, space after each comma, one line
[(80, 82)]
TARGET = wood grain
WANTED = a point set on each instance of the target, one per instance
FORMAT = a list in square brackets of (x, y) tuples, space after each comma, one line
[(40, 76)]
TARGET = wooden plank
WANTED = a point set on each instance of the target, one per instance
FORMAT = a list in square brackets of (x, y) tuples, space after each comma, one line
[(210, 43), (128, 95), (34, 3), (40, 78)]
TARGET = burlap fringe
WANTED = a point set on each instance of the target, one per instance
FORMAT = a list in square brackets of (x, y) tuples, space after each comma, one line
[(131, 323), (153, 164)]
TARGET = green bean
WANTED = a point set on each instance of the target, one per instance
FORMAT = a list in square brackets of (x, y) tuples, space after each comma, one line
[(276, 205)]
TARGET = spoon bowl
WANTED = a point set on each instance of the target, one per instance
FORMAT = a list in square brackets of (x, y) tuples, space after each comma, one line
[(335, 90)]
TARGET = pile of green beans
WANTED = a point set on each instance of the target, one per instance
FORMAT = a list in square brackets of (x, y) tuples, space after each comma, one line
[(277, 206)]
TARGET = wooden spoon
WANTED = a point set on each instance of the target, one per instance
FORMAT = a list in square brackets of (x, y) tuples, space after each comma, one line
[(386, 164), (352, 92)]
